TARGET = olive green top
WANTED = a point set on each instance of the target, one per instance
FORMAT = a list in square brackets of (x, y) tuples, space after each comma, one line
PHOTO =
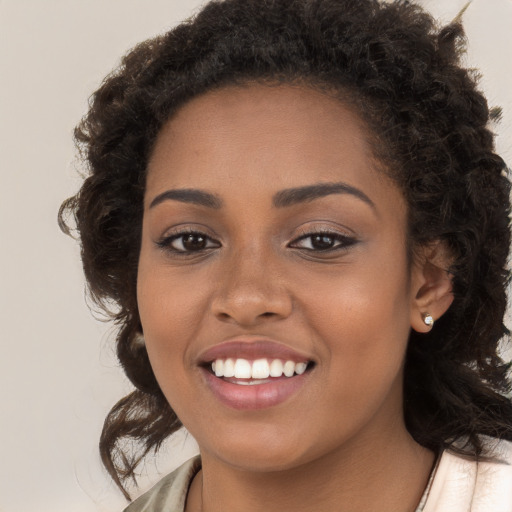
[(456, 485)]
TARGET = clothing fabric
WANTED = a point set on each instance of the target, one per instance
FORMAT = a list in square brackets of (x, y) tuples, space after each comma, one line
[(457, 484), (463, 485), (170, 494)]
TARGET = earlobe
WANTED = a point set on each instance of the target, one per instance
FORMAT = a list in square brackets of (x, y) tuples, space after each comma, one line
[(432, 292)]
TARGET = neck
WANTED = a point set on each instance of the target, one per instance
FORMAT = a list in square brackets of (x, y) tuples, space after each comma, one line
[(363, 475)]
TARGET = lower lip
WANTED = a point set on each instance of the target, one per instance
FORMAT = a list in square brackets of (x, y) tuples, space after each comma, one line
[(256, 396)]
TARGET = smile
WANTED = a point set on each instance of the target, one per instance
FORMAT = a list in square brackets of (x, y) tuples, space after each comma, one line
[(258, 370), (249, 375)]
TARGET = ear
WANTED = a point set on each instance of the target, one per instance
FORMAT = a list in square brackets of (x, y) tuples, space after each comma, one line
[(432, 291)]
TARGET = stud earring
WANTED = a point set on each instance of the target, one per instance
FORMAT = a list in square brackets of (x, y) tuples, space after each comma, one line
[(428, 320)]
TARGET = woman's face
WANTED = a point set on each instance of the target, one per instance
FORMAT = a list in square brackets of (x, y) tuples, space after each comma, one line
[(274, 248)]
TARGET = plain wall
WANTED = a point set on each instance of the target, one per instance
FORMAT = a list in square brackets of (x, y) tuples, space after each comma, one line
[(59, 374)]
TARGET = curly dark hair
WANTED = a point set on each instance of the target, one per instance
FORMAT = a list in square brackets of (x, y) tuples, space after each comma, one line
[(430, 130)]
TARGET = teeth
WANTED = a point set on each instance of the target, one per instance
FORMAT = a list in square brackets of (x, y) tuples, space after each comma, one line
[(276, 368), (243, 369), (259, 369), (300, 368), (219, 368), (289, 368), (252, 382), (229, 368)]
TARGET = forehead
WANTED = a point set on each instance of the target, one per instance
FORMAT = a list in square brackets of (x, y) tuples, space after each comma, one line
[(243, 136)]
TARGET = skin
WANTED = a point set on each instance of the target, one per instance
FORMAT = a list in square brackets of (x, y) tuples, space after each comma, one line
[(350, 310)]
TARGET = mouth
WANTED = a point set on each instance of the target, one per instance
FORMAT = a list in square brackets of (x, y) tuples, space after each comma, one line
[(256, 372), (254, 375)]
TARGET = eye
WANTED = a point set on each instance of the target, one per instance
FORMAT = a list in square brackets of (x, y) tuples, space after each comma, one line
[(322, 241), (188, 242)]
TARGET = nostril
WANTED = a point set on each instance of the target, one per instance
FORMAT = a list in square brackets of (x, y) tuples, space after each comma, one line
[(250, 307)]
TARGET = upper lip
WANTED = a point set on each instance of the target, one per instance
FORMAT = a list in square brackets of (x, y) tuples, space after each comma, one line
[(252, 349)]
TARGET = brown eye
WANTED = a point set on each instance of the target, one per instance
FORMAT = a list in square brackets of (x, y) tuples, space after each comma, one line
[(193, 242), (323, 242), (188, 243)]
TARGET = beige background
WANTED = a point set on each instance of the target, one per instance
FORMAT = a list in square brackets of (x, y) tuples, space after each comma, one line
[(58, 372)]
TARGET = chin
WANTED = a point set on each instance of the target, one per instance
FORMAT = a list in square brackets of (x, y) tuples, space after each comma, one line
[(259, 460), (263, 448)]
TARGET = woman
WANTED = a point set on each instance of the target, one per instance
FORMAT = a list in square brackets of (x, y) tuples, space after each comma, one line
[(297, 209)]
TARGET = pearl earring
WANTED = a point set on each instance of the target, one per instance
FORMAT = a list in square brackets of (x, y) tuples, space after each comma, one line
[(428, 319)]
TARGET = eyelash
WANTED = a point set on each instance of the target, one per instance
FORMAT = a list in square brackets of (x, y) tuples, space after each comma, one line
[(341, 242), (344, 241), (166, 243)]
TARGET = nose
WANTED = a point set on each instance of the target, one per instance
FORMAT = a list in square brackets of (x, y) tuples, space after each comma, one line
[(251, 291)]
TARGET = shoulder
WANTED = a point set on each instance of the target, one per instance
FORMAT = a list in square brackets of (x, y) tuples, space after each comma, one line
[(462, 484), (170, 492)]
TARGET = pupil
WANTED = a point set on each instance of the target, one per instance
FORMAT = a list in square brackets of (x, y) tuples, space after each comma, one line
[(322, 242), (194, 242)]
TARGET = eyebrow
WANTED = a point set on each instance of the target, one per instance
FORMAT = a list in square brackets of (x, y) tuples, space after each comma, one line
[(282, 199), (308, 193), (189, 195)]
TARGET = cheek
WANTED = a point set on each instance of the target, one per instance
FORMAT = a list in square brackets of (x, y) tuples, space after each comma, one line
[(169, 309), (168, 305), (368, 294), (363, 318)]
